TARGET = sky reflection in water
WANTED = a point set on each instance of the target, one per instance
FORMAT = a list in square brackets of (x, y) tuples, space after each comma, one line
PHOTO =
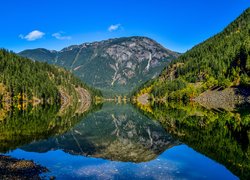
[(139, 147), (179, 162)]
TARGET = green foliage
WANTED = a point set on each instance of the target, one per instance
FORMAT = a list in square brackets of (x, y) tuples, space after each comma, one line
[(222, 136), (19, 128), (245, 80), (21, 75), (223, 60)]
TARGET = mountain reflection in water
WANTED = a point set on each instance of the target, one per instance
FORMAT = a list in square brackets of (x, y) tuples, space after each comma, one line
[(119, 134), (118, 141)]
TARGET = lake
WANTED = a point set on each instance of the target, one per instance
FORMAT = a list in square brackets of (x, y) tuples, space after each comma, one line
[(119, 141)]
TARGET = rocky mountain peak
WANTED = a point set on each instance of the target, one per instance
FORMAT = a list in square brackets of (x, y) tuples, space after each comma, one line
[(114, 65)]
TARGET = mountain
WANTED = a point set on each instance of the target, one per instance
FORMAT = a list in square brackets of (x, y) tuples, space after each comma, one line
[(114, 65), (23, 80), (220, 62)]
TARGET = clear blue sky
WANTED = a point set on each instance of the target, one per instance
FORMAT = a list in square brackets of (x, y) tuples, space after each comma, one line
[(176, 24)]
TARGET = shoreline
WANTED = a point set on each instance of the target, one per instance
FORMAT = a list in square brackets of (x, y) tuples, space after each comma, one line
[(12, 168), (228, 99)]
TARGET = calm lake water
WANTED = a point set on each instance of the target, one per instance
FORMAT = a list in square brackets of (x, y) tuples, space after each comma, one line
[(120, 142)]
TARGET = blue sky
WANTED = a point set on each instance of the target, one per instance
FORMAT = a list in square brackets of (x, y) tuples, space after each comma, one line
[(54, 24)]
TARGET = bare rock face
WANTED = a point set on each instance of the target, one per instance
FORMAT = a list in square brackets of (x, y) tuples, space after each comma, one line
[(138, 50), (115, 65)]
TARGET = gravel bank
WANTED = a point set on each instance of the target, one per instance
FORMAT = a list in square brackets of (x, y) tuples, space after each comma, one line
[(13, 169), (227, 99)]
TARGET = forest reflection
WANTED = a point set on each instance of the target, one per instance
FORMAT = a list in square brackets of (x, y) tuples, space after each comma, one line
[(220, 135)]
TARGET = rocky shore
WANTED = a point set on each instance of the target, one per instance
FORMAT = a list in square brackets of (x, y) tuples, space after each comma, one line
[(227, 99), (15, 169)]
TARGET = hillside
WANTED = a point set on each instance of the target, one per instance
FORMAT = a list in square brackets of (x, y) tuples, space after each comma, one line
[(22, 80), (114, 66), (220, 62), (38, 100)]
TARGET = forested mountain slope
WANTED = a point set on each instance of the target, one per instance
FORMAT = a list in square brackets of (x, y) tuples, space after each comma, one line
[(220, 62), (23, 80)]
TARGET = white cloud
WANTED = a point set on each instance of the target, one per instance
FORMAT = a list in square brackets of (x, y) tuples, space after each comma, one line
[(114, 27), (59, 36), (33, 35)]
